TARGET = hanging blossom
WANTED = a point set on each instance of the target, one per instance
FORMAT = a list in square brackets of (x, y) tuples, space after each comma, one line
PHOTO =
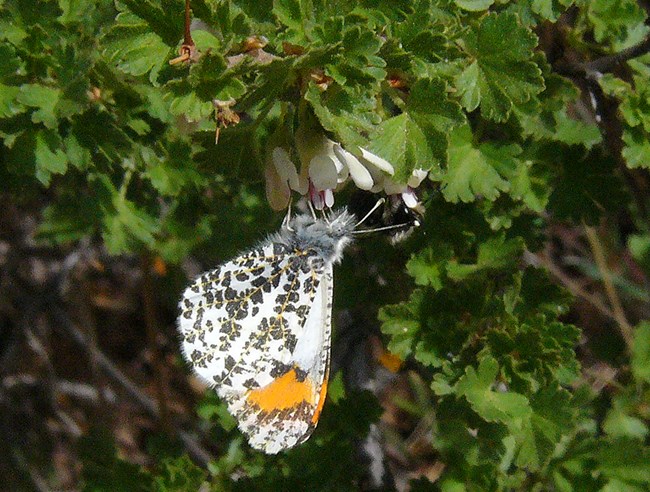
[(281, 178), (407, 191), (326, 165)]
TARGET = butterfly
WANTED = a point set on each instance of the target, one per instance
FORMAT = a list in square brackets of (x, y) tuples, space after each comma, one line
[(257, 328)]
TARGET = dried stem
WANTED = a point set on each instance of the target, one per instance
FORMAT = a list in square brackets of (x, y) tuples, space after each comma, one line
[(63, 322), (612, 295), (608, 63), (594, 68), (188, 48), (187, 39), (570, 284), (152, 342)]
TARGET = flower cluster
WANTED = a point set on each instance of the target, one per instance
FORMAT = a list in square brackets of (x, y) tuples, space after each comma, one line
[(325, 166)]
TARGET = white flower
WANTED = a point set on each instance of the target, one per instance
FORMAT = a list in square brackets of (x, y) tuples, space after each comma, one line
[(282, 177), (406, 190), (328, 164), (325, 166)]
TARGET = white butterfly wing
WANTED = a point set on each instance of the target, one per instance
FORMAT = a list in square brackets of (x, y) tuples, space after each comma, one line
[(258, 329)]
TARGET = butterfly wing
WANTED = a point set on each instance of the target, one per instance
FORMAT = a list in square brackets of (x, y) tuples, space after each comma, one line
[(258, 329), (285, 412)]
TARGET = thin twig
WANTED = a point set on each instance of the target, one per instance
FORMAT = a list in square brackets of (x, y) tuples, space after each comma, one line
[(152, 341), (594, 68), (607, 63), (188, 48), (63, 322), (610, 290), (570, 284), (187, 38)]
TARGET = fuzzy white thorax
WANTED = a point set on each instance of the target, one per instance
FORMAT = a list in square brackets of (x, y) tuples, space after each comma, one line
[(327, 236)]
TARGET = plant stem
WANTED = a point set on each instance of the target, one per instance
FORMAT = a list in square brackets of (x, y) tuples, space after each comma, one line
[(615, 302), (152, 341)]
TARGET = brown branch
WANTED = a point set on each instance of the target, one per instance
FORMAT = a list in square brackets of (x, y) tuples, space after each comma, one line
[(187, 39), (152, 341), (187, 51), (64, 323), (592, 69), (608, 63)]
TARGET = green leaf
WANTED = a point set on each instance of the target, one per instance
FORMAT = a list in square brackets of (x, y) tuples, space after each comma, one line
[(400, 321), (625, 460), (125, 226), (549, 117), (474, 5), (637, 148), (550, 9), (9, 105), (477, 171), (417, 138), (134, 49), (175, 172), (45, 99), (502, 73), (166, 23), (190, 106), (77, 155), (336, 388), (291, 13), (427, 266), (619, 22), (179, 474), (345, 114), (49, 157), (494, 406), (619, 423), (494, 253), (206, 41)]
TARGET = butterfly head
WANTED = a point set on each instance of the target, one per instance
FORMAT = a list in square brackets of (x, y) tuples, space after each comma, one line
[(328, 235)]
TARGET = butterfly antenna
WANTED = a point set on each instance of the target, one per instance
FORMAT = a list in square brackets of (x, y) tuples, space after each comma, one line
[(375, 207), (414, 223)]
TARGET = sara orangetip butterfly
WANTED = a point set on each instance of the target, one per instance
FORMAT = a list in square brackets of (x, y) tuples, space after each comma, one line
[(258, 329)]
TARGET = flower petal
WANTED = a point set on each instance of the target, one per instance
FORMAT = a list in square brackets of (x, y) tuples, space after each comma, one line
[(417, 176), (287, 170), (323, 172), (277, 189), (316, 197), (360, 175), (329, 198), (410, 198), (377, 161)]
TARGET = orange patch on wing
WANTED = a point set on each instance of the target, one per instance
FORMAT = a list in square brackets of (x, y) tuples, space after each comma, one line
[(282, 393)]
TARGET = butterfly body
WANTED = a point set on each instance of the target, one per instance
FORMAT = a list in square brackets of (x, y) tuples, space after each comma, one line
[(258, 328)]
